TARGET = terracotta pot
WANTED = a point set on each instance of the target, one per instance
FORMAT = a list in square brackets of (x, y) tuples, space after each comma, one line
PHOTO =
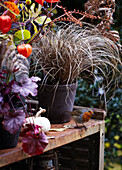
[(57, 101)]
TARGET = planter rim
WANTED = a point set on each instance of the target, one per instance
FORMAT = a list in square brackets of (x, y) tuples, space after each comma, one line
[(58, 87)]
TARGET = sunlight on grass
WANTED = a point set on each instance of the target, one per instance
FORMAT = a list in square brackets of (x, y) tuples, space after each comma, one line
[(116, 167)]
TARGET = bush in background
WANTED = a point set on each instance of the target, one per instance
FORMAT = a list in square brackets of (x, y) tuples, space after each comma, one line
[(91, 95)]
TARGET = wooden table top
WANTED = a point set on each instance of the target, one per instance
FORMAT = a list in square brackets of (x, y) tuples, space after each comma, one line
[(9, 156)]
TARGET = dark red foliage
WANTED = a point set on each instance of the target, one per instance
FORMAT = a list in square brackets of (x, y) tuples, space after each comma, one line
[(34, 141)]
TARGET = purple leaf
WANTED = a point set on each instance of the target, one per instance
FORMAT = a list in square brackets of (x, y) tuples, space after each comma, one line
[(34, 142), (25, 87), (13, 120)]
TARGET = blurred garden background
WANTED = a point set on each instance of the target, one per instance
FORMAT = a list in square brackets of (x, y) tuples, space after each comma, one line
[(93, 95)]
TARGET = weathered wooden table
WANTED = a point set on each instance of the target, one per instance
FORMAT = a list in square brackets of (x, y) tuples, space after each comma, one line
[(95, 125)]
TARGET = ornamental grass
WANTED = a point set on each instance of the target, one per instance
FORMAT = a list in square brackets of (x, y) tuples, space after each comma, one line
[(65, 55)]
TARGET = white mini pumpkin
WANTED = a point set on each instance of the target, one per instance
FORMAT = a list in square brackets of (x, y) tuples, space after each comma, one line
[(40, 121)]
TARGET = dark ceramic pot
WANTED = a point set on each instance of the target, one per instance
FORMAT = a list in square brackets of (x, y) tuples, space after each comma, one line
[(57, 101), (8, 140)]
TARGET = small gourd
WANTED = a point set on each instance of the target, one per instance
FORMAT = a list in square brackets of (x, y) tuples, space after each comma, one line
[(40, 121)]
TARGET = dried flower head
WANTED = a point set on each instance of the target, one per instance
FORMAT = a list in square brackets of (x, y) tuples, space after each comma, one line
[(13, 7)]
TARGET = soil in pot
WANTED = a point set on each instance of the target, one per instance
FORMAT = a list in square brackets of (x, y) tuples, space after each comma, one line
[(57, 101)]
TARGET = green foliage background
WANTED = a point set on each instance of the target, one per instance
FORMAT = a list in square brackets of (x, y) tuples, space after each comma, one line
[(88, 95)]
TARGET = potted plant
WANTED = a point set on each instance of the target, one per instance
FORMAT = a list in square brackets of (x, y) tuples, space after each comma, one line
[(79, 48), (62, 56), (59, 60), (15, 85)]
